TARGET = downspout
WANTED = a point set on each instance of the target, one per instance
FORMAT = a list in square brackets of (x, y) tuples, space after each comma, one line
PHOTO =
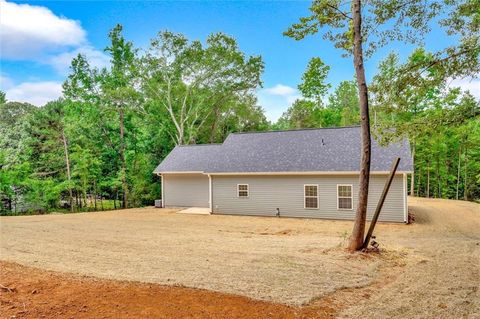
[(210, 197), (405, 198), (163, 193)]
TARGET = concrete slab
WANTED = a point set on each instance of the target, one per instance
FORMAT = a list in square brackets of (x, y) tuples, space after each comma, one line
[(195, 211)]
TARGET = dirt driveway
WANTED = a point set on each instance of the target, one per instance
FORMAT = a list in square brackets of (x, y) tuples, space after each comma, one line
[(430, 269)]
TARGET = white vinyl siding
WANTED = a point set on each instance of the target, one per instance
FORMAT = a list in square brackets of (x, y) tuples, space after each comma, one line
[(185, 190), (287, 194), (344, 197)]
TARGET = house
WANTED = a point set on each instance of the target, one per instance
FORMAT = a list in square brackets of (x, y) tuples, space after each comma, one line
[(310, 173)]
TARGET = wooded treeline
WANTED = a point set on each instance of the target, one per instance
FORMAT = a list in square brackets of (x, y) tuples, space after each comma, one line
[(441, 122), (96, 147)]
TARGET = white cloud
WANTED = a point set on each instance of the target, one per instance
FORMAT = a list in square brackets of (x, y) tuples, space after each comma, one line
[(36, 93), (281, 90), (276, 100), (27, 31), (61, 62), (35, 33), (471, 85)]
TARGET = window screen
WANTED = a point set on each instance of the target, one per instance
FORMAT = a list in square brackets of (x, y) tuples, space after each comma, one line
[(344, 197), (311, 196)]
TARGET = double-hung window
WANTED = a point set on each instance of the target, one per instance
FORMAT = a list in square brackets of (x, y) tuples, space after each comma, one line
[(310, 196), (344, 197), (242, 190)]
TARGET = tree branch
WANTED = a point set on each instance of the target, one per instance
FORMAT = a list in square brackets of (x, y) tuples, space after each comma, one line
[(339, 11)]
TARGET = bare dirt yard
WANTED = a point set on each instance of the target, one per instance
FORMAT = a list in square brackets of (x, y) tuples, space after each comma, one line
[(154, 263)]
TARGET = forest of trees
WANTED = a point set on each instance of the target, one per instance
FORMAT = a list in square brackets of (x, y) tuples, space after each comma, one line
[(96, 147)]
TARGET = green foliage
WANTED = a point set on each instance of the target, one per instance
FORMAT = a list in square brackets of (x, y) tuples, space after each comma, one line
[(199, 87), (13, 130), (307, 114), (3, 98), (342, 108), (345, 100), (441, 122), (300, 115), (313, 85), (401, 20), (447, 162), (97, 147)]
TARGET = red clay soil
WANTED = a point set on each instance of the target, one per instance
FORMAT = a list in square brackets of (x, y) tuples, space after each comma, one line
[(33, 293)]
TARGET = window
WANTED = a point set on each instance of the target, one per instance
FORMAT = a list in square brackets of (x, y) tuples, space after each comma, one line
[(344, 197), (242, 190), (311, 196)]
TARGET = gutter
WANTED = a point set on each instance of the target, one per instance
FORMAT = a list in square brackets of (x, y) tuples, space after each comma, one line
[(284, 173)]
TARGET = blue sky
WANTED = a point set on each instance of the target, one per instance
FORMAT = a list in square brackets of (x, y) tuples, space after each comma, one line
[(39, 38)]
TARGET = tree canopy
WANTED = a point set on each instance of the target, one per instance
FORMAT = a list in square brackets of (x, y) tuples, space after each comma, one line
[(360, 28), (97, 146)]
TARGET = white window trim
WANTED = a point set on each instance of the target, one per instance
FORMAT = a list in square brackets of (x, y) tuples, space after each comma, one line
[(248, 191), (304, 196), (351, 197)]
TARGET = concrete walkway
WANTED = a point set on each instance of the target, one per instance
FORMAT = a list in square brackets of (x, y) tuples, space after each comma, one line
[(195, 211)]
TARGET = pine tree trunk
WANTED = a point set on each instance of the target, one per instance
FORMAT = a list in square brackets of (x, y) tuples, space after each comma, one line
[(85, 200), (67, 164), (458, 171), (122, 159), (95, 195), (465, 187), (439, 193), (356, 240), (419, 177), (428, 180), (16, 204), (9, 203)]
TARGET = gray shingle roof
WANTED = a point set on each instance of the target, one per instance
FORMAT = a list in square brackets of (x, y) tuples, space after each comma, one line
[(308, 150)]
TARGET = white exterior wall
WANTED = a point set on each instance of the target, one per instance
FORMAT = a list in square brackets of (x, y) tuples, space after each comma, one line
[(185, 190), (269, 192)]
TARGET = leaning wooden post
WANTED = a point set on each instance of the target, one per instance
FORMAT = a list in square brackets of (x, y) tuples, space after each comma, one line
[(381, 201)]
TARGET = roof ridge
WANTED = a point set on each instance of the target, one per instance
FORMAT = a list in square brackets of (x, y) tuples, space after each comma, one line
[(298, 129)]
